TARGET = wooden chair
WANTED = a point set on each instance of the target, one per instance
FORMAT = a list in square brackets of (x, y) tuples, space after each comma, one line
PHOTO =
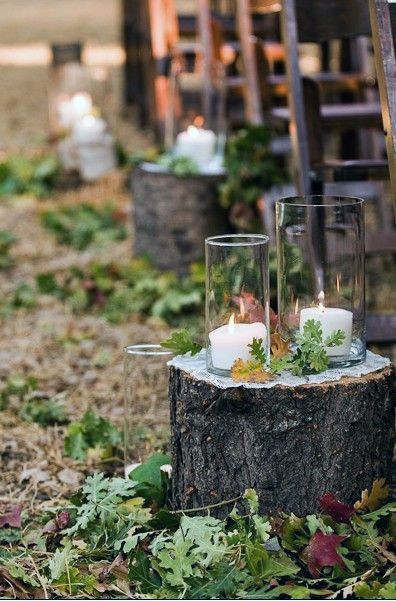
[(319, 21), (262, 86), (383, 25), (304, 20)]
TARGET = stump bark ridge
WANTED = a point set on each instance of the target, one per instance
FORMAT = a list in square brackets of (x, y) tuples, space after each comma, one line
[(291, 444)]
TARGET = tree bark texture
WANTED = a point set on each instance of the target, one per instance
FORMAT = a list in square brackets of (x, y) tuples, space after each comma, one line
[(173, 216), (290, 444)]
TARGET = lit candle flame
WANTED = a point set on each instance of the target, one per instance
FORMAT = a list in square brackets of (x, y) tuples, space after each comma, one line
[(231, 324), (192, 131), (338, 281), (321, 297), (199, 121), (296, 307)]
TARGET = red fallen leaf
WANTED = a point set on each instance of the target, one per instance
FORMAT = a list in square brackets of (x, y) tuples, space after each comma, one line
[(12, 519), (322, 552), (340, 512), (58, 523)]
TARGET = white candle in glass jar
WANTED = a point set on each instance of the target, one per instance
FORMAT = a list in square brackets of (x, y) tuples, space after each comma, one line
[(231, 342), (71, 110), (197, 144), (331, 318), (95, 148), (89, 130)]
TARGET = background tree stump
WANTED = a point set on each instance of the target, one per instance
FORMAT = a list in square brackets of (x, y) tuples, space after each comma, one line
[(292, 444), (173, 216)]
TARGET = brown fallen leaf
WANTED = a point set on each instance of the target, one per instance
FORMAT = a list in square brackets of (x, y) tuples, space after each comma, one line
[(279, 346), (371, 500), (12, 518), (250, 371)]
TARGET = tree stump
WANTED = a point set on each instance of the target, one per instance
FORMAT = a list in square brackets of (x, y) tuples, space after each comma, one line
[(290, 443), (173, 216)]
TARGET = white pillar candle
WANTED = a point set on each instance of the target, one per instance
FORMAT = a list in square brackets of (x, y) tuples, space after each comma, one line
[(95, 148), (230, 342), (71, 110), (97, 159), (331, 318), (89, 130), (197, 144)]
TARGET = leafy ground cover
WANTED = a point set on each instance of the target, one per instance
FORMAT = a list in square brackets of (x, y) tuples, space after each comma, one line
[(23, 175), (118, 290), (120, 538), (7, 240), (84, 224)]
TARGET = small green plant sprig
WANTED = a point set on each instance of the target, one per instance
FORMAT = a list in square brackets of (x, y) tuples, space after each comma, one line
[(181, 343), (310, 356), (250, 168), (92, 432)]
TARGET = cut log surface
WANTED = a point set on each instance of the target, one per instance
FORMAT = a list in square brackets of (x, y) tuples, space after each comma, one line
[(173, 216), (290, 443)]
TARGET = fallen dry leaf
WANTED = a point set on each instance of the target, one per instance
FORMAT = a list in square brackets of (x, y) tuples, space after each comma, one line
[(322, 551), (58, 523), (35, 474), (279, 346), (371, 500), (250, 371), (12, 518), (340, 512), (70, 477)]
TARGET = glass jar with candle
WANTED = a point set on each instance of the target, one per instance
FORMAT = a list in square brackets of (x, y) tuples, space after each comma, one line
[(237, 299), (195, 120), (320, 250), (76, 90), (146, 407)]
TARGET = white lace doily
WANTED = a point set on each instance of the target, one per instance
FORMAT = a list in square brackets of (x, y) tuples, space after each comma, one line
[(196, 367)]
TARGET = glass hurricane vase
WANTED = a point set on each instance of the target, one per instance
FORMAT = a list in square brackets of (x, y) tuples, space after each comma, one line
[(320, 250), (237, 299), (146, 404)]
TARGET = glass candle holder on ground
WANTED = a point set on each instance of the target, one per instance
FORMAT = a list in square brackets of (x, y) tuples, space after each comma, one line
[(145, 401), (320, 249), (237, 298), (80, 104)]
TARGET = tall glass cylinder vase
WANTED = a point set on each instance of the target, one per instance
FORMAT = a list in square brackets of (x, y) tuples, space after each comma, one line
[(145, 401), (320, 249), (237, 299)]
